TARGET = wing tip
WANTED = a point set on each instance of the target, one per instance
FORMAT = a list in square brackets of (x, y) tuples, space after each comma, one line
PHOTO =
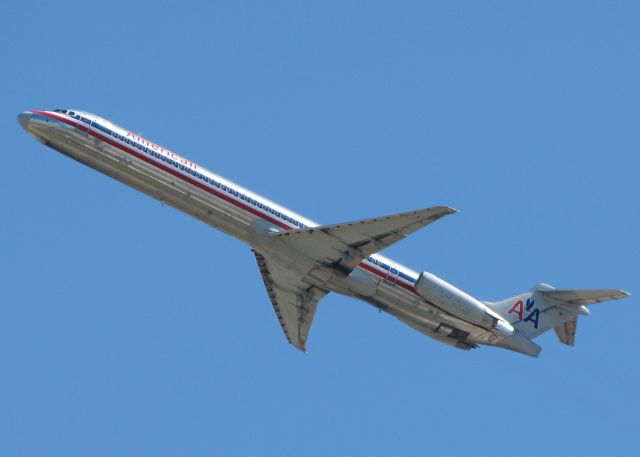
[(619, 293), (302, 347), (442, 211)]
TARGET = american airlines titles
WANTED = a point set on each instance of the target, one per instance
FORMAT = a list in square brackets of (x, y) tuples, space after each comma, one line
[(161, 150)]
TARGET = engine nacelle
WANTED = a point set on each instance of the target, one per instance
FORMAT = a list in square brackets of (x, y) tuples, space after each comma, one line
[(459, 303)]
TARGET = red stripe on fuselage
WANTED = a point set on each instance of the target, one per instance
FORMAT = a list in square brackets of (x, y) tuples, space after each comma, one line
[(396, 280), (82, 127), (167, 169)]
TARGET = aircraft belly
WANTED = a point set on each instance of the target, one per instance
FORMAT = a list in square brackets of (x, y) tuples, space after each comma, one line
[(424, 317), (151, 181), (301, 261)]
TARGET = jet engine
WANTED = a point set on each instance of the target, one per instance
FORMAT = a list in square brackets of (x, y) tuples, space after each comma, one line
[(453, 300)]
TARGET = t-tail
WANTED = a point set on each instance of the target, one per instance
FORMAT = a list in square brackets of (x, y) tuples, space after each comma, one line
[(543, 308)]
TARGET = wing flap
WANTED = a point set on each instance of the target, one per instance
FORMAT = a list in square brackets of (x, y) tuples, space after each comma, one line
[(293, 301), (344, 246)]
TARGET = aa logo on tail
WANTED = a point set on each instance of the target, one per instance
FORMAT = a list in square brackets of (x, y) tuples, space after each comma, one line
[(520, 308)]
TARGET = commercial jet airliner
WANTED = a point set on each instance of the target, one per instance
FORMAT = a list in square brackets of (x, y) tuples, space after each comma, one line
[(301, 261)]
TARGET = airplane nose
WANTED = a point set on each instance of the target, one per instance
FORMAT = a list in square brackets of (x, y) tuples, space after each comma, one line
[(24, 118)]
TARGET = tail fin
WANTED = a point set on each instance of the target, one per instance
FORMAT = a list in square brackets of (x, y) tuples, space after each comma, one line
[(543, 308)]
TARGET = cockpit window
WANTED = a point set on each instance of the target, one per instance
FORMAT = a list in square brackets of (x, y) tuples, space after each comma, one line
[(68, 112)]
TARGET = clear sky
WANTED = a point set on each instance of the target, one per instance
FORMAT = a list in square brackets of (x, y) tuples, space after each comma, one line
[(129, 329)]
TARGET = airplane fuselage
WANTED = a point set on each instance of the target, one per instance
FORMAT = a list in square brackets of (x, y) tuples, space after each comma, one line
[(249, 217)]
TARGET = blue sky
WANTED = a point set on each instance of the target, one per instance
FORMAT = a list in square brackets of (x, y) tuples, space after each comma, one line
[(129, 329)]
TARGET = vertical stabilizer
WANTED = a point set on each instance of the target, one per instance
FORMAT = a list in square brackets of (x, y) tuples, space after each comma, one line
[(543, 308)]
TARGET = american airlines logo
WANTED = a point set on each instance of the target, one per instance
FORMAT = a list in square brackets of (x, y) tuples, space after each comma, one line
[(520, 308)]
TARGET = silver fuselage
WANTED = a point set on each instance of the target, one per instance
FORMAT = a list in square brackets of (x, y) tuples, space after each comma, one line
[(184, 185)]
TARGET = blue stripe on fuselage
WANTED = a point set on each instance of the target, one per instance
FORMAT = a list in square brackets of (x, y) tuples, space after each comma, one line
[(246, 200)]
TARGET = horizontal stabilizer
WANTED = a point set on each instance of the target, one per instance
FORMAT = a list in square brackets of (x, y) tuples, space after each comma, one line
[(581, 297), (344, 246), (566, 332), (544, 308)]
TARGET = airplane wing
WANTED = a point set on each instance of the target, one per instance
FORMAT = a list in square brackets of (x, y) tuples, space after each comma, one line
[(344, 246), (293, 300)]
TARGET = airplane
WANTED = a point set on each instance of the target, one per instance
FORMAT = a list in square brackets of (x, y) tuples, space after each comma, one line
[(301, 261)]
